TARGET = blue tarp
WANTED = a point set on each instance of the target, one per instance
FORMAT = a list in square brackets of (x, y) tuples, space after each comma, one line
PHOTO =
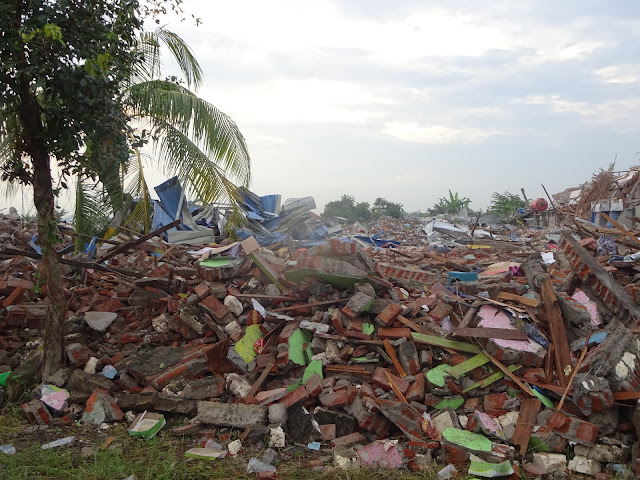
[(377, 242), (265, 240)]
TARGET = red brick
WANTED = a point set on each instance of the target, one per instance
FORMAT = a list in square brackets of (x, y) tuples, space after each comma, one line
[(314, 385), (335, 399), (215, 307), (350, 439), (454, 455), (291, 398), (380, 380), (328, 431), (495, 401), (389, 314), (111, 305), (441, 310), (202, 290), (14, 298), (366, 390), (394, 333), (415, 393)]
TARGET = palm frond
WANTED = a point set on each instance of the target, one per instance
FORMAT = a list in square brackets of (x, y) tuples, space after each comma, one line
[(91, 217), (215, 133), (140, 217), (201, 177), (149, 45)]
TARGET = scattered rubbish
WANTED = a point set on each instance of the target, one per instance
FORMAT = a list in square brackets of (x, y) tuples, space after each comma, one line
[(474, 342), (7, 449), (205, 453), (58, 443), (258, 466), (147, 425)]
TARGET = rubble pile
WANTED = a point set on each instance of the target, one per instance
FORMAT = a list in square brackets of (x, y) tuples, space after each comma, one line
[(501, 352)]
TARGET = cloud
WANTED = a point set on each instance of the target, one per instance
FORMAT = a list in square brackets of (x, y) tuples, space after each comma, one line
[(414, 132)]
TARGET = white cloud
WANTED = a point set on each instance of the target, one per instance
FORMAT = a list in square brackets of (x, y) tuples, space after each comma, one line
[(299, 100), (619, 74), (414, 132)]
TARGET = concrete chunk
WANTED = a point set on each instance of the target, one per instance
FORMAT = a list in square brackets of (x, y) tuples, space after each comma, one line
[(231, 414)]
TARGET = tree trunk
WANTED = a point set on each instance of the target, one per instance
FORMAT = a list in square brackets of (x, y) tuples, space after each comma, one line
[(43, 198), (47, 233)]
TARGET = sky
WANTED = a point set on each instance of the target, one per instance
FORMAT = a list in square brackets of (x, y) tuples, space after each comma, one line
[(407, 100)]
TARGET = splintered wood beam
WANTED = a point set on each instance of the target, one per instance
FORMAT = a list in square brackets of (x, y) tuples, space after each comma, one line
[(529, 409), (394, 359), (263, 376), (530, 302), (112, 252), (558, 333), (500, 333)]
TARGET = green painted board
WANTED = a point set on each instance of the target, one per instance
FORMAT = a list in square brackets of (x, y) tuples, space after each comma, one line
[(545, 401), (293, 386), (314, 368), (467, 440), (491, 378), (244, 347), (300, 346), (220, 262), (453, 403), (536, 444), (491, 470), (443, 342), (367, 328), (467, 366), (437, 375), (267, 269)]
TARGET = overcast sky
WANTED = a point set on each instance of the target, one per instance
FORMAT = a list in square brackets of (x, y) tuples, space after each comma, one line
[(405, 100)]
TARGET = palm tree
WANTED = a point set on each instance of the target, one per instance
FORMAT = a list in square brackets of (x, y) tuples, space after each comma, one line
[(190, 137)]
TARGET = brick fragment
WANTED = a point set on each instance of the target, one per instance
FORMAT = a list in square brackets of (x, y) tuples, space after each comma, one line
[(389, 314)]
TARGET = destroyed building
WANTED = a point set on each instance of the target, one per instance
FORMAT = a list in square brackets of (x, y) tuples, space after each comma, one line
[(499, 351)]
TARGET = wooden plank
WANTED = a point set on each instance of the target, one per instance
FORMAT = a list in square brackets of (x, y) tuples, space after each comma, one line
[(468, 365), (266, 268), (501, 333), (263, 376), (626, 395), (575, 370), (307, 305), (558, 333), (328, 336), (352, 369), (530, 302), (508, 373), (505, 305), (547, 386), (394, 359), (620, 227), (112, 252), (445, 343), (532, 314), (412, 325), (469, 316), (282, 298), (74, 263), (485, 382), (395, 388), (529, 409)]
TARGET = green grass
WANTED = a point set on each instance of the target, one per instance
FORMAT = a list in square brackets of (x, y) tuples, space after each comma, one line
[(161, 458)]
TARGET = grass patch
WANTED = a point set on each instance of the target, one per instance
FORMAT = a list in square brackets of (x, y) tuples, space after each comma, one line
[(161, 458)]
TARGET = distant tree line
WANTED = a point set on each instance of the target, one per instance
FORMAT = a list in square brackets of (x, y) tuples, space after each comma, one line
[(348, 208)]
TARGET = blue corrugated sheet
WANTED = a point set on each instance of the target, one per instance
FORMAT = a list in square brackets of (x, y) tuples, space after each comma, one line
[(269, 202)]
